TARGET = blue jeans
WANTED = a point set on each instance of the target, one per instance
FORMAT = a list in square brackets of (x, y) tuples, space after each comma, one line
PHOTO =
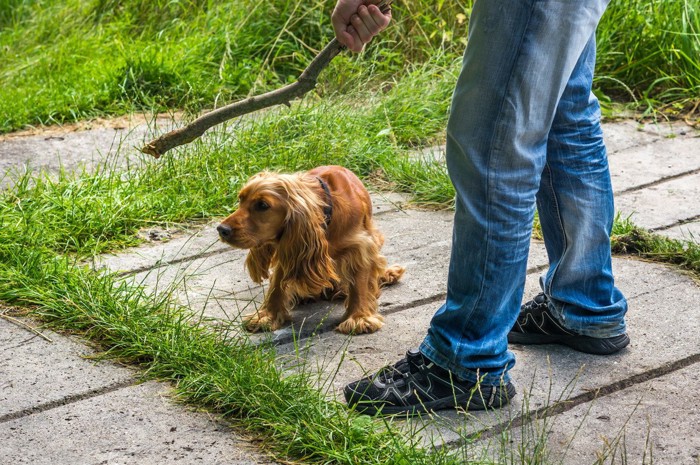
[(524, 129)]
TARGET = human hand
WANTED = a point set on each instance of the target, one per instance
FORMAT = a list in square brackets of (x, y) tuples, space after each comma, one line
[(355, 22)]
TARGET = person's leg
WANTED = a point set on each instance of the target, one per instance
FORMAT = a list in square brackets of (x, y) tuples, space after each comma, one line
[(519, 57), (575, 204)]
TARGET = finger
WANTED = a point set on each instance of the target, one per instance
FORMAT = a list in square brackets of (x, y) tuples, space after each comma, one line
[(340, 19), (345, 39), (339, 27), (381, 19), (369, 21), (373, 21), (362, 29), (356, 44)]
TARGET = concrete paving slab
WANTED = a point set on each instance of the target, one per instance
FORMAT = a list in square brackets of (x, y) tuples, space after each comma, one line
[(182, 245), (661, 205), (50, 152), (74, 145), (622, 138), (640, 287), (543, 374), (218, 287), (626, 134), (133, 425), (645, 164), (652, 422), (622, 135), (35, 373), (406, 233)]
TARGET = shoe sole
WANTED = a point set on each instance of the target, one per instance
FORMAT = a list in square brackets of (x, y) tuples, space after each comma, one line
[(468, 401), (585, 344)]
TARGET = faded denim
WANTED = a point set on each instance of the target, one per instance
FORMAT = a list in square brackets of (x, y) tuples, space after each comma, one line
[(524, 130)]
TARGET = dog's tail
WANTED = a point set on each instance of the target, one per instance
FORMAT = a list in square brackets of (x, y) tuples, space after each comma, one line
[(391, 275)]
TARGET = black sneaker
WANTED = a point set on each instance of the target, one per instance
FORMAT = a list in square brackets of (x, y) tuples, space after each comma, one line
[(416, 385), (536, 325)]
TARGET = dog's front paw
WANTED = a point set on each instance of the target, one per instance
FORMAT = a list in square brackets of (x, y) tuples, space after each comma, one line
[(391, 275), (262, 320), (361, 324)]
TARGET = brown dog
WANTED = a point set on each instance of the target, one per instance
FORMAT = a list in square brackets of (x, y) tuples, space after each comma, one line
[(314, 232)]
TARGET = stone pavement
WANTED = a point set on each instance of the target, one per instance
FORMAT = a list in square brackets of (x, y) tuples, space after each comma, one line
[(58, 406)]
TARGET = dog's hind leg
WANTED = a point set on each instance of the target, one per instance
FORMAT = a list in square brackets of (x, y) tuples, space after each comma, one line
[(362, 267)]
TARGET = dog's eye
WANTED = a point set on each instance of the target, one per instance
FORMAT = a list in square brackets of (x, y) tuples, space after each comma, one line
[(261, 206)]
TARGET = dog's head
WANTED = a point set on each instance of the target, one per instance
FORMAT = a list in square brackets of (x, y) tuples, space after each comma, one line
[(280, 219), (263, 211)]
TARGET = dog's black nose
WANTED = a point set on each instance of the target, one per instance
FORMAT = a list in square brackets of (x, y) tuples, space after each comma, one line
[(224, 230)]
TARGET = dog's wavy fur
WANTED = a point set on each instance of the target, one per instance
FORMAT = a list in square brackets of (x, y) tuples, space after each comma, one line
[(282, 221)]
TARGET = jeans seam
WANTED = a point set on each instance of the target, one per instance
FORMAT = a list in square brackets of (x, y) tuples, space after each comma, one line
[(496, 133), (555, 205)]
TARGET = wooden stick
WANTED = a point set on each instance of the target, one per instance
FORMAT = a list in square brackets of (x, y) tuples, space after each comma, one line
[(306, 81)]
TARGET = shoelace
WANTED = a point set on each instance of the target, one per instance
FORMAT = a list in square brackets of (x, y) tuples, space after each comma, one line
[(395, 372), (539, 300)]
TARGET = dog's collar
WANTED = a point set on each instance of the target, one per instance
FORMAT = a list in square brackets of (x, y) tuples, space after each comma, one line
[(328, 209)]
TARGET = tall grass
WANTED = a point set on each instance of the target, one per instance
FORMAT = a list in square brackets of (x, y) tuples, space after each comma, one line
[(649, 52), (65, 60)]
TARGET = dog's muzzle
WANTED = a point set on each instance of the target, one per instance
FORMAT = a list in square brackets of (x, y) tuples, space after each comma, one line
[(225, 231)]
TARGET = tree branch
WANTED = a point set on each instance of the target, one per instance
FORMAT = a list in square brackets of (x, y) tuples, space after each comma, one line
[(306, 82)]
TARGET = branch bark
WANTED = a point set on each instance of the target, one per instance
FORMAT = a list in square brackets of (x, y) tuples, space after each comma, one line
[(306, 82)]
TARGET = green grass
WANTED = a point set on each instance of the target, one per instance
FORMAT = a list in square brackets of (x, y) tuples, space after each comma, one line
[(649, 52), (231, 377), (63, 61), (628, 239), (70, 60), (86, 214)]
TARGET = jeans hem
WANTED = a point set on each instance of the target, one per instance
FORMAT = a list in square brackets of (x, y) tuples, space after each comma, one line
[(610, 330), (493, 377)]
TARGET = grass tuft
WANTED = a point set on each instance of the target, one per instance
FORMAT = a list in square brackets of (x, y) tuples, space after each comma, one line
[(629, 239)]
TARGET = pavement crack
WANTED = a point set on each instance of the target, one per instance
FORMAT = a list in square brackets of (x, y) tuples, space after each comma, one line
[(175, 261), (70, 399), (658, 181), (415, 303), (676, 223), (572, 402)]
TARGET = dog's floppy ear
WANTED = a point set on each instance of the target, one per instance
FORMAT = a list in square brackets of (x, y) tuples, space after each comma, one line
[(259, 261), (303, 251)]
